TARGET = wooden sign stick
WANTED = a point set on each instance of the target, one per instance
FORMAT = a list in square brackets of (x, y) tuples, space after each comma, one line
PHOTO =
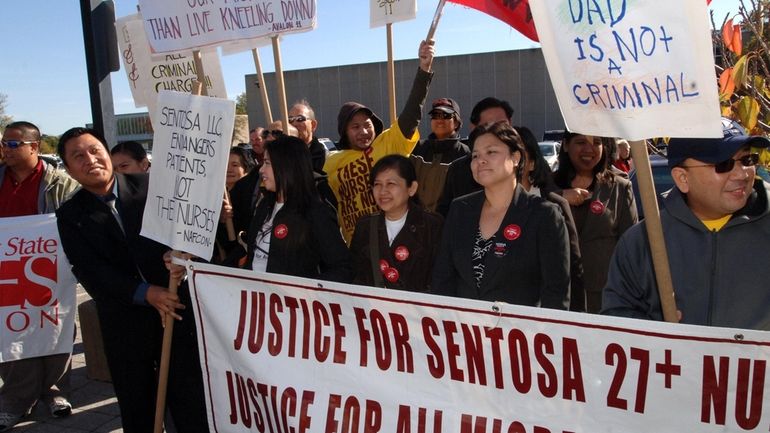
[(262, 87), (391, 76), (279, 81), (654, 230)]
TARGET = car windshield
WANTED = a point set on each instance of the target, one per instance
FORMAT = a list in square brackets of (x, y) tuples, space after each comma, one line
[(548, 149)]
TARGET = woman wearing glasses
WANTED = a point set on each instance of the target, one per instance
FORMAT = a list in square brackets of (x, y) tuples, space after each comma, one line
[(292, 231), (602, 205)]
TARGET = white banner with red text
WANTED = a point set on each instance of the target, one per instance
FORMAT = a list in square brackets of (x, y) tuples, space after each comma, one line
[(174, 25), (37, 289), (283, 354)]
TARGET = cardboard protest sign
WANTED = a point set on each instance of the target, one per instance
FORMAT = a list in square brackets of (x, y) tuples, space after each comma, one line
[(383, 12), (148, 74), (235, 47), (187, 177), (631, 69), (310, 355), (174, 25), (37, 289)]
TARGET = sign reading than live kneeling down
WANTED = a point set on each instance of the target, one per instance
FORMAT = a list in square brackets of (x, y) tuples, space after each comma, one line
[(174, 25), (631, 69), (187, 178)]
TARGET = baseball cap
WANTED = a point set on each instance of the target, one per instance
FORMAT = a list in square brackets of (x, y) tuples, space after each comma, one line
[(447, 105), (713, 150)]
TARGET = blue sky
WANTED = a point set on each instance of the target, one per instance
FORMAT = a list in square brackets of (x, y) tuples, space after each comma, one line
[(43, 72)]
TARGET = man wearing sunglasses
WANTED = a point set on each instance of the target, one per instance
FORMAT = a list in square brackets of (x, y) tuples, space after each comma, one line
[(29, 186), (302, 117), (716, 223)]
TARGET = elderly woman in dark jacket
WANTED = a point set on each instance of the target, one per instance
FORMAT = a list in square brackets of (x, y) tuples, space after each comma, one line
[(292, 231), (396, 247)]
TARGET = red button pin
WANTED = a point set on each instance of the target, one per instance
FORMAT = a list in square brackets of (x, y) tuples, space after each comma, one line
[(391, 274), (402, 253), (281, 231), (597, 207), (384, 265), (512, 232)]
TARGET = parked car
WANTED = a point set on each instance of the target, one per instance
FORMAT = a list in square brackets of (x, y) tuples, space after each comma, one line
[(661, 178), (550, 151), (328, 144), (553, 135)]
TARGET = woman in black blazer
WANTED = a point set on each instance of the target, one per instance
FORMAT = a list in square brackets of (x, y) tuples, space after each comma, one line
[(396, 247), (501, 243), (292, 231)]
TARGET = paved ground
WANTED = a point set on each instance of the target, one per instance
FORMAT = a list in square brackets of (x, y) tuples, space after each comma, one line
[(94, 406)]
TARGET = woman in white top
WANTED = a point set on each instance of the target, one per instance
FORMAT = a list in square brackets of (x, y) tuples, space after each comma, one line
[(292, 231)]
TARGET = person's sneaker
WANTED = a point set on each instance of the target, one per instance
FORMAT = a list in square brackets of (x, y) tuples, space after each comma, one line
[(8, 420), (60, 408)]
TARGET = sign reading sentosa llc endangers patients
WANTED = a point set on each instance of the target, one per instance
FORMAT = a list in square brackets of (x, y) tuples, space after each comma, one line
[(187, 178)]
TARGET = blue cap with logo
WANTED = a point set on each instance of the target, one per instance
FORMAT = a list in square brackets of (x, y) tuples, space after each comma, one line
[(713, 150)]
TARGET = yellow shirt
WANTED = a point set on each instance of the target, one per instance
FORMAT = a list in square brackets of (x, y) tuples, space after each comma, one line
[(716, 225), (349, 171)]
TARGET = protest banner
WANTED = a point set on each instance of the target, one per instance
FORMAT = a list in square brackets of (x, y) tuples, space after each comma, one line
[(37, 289), (148, 74), (289, 354), (187, 178), (382, 12), (631, 69), (175, 25)]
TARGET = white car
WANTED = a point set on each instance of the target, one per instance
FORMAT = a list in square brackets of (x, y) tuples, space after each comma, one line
[(550, 151)]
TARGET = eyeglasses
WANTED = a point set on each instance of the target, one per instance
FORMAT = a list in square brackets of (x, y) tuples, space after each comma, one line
[(295, 119), (441, 115), (727, 165), (15, 144), (274, 133)]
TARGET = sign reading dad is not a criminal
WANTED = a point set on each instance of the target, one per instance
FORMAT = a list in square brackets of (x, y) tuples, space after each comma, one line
[(174, 25), (631, 69), (187, 177)]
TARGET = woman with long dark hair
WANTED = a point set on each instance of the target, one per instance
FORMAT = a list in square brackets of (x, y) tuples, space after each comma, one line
[(500, 243), (537, 179), (396, 247), (602, 205), (292, 231)]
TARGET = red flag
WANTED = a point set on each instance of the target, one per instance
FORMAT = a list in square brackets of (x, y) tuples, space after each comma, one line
[(515, 13)]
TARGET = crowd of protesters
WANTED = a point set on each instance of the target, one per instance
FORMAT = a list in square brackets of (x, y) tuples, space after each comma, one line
[(481, 218)]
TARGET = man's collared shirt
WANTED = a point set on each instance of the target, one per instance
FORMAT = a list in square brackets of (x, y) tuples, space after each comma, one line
[(20, 198)]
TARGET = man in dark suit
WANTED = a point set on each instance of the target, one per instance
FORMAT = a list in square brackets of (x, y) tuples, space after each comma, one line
[(126, 275)]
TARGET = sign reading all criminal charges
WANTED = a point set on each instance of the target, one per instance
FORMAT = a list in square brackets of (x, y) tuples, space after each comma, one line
[(187, 177)]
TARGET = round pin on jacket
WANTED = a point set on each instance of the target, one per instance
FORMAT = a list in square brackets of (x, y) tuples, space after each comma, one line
[(281, 231), (512, 232), (597, 207), (391, 274), (402, 253), (384, 265)]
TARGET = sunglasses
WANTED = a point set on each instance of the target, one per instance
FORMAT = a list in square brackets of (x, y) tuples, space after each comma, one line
[(274, 133), (441, 115), (295, 119), (15, 144), (727, 165)]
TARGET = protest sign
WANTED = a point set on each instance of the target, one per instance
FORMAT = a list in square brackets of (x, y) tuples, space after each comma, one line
[(174, 25), (187, 177), (287, 354), (631, 69), (148, 74), (383, 12), (37, 289)]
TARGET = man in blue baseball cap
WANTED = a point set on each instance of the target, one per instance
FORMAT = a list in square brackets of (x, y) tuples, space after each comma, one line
[(716, 224)]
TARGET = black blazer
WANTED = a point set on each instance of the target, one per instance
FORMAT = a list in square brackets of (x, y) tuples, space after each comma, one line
[(419, 237), (313, 246), (531, 269)]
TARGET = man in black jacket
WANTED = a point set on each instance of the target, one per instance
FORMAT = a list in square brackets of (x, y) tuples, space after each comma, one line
[(126, 275)]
